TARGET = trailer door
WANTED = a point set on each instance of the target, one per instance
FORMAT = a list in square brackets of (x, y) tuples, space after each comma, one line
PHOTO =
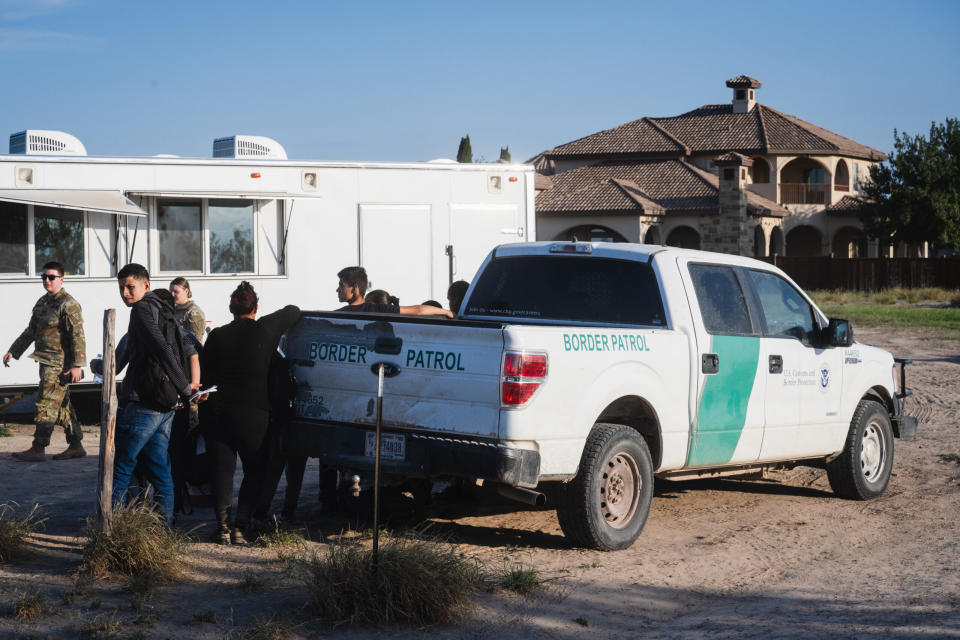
[(475, 229), (395, 249)]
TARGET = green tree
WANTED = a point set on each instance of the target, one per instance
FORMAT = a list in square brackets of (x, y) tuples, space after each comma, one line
[(464, 152), (915, 195), (505, 153)]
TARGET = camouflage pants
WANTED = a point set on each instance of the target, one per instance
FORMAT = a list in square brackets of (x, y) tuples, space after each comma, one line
[(53, 408)]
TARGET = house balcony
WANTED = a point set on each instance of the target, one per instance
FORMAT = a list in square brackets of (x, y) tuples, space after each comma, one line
[(804, 193)]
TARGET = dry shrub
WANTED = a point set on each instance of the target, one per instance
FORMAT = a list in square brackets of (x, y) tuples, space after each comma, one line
[(14, 530), (27, 608), (268, 628), (281, 538), (141, 544), (520, 579), (102, 626), (417, 582)]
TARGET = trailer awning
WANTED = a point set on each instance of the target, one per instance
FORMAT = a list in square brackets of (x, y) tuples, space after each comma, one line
[(87, 200), (226, 195)]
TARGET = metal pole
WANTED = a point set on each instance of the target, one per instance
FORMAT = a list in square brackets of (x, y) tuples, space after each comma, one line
[(108, 420), (376, 473)]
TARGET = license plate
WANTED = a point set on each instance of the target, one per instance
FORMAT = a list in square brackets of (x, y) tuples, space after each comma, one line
[(392, 445)]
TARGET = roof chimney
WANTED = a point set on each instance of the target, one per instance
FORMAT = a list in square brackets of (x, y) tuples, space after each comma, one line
[(743, 87)]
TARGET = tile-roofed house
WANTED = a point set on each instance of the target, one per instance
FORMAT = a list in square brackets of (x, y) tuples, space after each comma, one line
[(668, 187), (794, 171)]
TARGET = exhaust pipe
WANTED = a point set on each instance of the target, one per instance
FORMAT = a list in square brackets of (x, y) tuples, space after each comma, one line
[(526, 496)]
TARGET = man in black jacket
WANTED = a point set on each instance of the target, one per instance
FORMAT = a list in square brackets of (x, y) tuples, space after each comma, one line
[(143, 427)]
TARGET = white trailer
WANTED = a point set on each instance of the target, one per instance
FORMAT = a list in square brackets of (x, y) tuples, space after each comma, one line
[(246, 214)]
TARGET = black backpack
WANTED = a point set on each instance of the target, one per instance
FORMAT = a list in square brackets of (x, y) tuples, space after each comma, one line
[(154, 388)]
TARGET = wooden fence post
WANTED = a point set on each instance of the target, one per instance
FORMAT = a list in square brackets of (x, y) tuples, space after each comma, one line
[(108, 419)]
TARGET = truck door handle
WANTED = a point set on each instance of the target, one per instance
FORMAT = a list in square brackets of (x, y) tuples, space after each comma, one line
[(776, 364), (709, 363)]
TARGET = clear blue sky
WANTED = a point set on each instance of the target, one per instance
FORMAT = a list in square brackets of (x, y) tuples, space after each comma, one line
[(355, 80)]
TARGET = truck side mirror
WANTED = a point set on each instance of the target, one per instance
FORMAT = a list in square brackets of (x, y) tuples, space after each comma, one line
[(839, 333)]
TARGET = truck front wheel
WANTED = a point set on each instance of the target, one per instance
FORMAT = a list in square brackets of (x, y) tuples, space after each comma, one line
[(606, 505), (862, 470)]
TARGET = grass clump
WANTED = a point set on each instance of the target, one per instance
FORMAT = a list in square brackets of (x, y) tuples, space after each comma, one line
[(29, 607), (5, 431), (251, 582), (417, 582), (269, 628), (281, 538), (14, 530), (207, 616), (520, 579), (104, 626), (141, 544)]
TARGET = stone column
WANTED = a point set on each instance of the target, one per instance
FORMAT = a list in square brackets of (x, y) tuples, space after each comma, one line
[(734, 232)]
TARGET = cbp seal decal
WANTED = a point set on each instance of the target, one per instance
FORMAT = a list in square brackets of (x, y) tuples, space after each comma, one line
[(823, 377)]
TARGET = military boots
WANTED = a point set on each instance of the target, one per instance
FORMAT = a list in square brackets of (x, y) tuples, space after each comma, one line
[(75, 450), (33, 454)]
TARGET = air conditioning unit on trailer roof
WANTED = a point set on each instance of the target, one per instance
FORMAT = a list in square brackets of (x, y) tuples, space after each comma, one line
[(37, 142), (248, 147)]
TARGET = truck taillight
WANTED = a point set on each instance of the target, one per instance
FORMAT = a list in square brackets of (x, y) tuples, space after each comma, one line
[(523, 373)]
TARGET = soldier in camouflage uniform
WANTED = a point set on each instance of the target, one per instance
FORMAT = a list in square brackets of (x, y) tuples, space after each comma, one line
[(56, 329), (188, 314)]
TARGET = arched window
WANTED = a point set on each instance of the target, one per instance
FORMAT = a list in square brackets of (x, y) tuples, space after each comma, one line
[(684, 238), (804, 181), (849, 242), (652, 236), (591, 233), (776, 242), (804, 241), (841, 179), (759, 241), (760, 171)]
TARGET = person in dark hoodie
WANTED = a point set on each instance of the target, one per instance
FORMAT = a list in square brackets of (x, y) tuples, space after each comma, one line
[(236, 358), (143, 428)]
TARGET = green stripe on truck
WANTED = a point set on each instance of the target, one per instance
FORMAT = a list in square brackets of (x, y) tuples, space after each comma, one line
[(723, 405)]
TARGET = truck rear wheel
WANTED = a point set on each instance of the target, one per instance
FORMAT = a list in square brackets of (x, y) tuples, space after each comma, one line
[(862, 471), (606, 505)]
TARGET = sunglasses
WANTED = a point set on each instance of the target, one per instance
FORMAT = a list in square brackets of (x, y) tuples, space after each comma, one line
[(49, 276)]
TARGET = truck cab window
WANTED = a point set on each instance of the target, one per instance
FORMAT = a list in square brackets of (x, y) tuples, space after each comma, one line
[(721, 300), (786, 311), (13, 238), (601, 290)]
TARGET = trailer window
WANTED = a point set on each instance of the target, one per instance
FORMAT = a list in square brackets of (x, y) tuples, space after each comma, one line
[(58, 235), (564, 288), (13, 238), (231, 236), (180, 229)]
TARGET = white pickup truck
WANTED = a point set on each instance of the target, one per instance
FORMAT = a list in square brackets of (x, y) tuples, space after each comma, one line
[(600, 366)]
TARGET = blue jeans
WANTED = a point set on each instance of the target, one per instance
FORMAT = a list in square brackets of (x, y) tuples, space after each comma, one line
[(145, 434)]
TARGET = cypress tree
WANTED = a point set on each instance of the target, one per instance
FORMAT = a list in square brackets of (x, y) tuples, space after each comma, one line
[(505, 153), (464, 152)]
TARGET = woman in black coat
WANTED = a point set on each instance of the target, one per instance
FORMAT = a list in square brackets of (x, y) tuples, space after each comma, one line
[(236, 358)]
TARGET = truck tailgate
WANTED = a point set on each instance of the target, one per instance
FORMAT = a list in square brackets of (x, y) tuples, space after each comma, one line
[(447, 381)]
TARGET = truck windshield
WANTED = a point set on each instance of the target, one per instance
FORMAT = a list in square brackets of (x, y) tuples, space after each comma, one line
[(568, 288)]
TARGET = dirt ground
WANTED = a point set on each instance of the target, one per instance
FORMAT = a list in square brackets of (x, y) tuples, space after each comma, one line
[(782, 557)]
